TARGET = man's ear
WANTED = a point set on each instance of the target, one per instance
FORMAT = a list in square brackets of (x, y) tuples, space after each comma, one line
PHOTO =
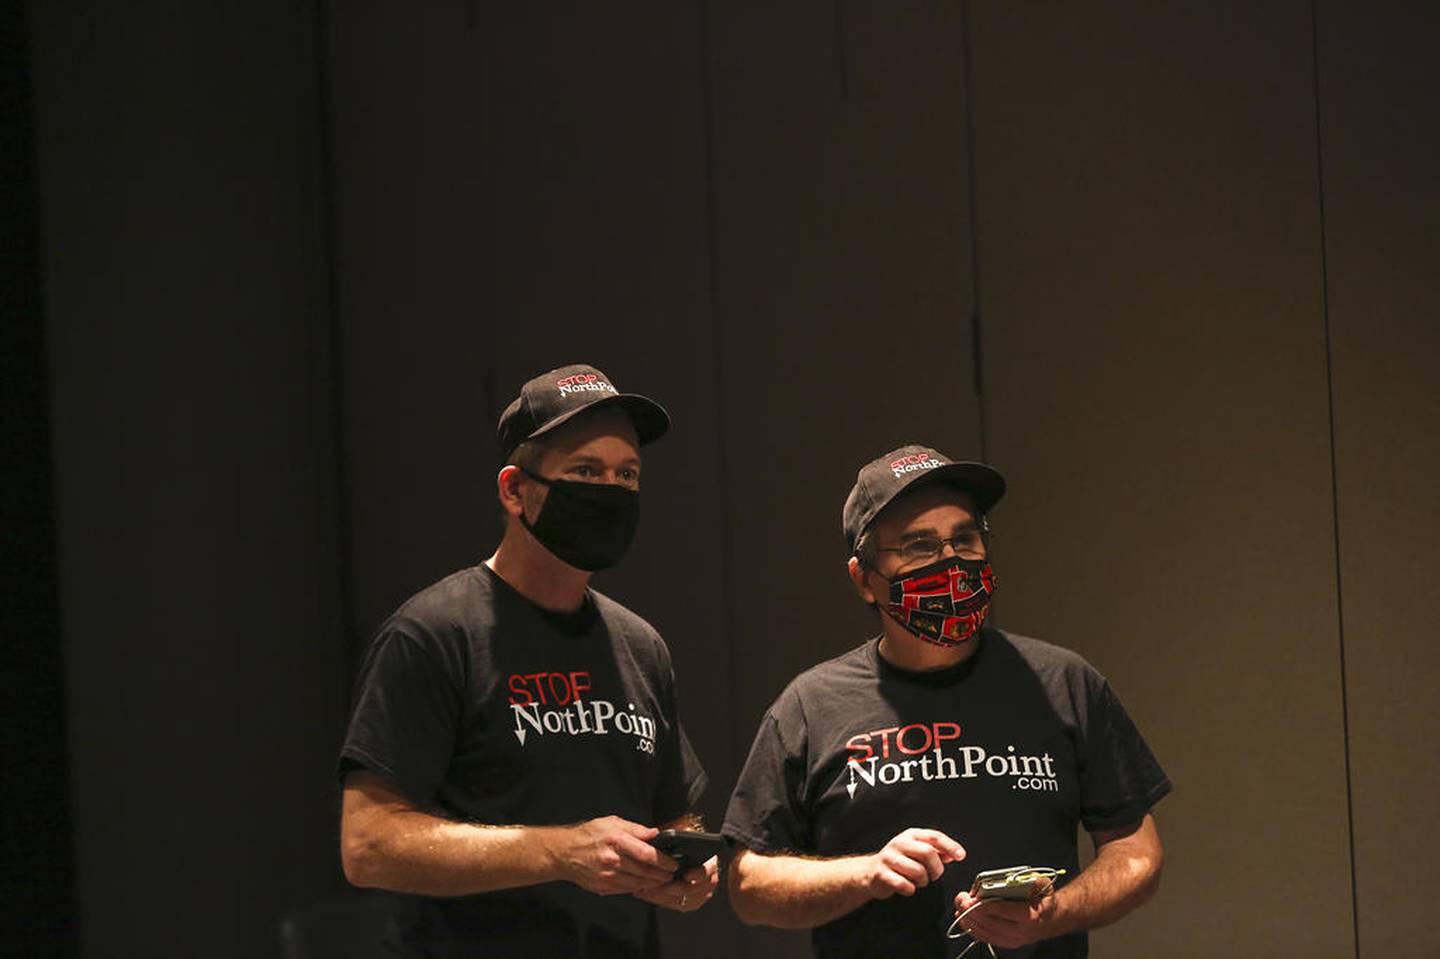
[(508, 485), (858, 576)]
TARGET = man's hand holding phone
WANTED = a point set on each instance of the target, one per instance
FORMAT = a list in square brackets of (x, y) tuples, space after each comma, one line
[(697, 855), (1009, 908)]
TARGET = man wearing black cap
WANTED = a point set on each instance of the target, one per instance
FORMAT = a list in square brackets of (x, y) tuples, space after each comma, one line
[(515, 741), (949, 746)]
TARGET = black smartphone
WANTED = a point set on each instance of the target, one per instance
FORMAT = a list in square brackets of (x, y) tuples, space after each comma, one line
[(688, 848)]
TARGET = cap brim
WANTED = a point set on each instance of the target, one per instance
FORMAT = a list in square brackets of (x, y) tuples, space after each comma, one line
[(984, 485), (649, 417)]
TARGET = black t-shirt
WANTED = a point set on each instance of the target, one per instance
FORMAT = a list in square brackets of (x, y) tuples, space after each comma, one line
[(1005, 753), (481, 707)]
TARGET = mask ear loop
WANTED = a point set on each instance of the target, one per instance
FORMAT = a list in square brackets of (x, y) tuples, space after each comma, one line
[(524, 520), (547, 483), (865, 564)]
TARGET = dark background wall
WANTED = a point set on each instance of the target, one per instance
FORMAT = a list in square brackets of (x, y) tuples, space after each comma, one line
[(1171, 267)]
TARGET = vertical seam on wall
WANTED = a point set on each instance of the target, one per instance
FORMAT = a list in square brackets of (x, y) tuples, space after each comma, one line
[(321, 189), (492, 402), (35, 667), (1334, 472), (976, 340), (729, 640)]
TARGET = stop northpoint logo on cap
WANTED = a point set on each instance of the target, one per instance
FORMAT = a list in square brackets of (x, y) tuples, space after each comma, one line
[(583, 382), (913, 462)]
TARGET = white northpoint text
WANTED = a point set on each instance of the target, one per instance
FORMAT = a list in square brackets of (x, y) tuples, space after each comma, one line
[(598, 717), (1035, 773)]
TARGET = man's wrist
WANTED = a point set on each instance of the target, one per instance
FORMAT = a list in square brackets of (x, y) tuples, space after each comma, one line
[(541, 843), (860, 875), (1061, 920)]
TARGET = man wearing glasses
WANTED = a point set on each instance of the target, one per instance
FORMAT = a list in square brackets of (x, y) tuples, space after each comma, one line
[(883, 781)]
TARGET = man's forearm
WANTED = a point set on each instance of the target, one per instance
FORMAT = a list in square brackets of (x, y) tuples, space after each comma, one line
[(792, 892), (386, 842), (426, 855), (1125, 873)]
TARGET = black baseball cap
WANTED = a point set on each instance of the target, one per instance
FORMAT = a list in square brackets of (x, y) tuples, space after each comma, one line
[(881, 480), (556, 397)]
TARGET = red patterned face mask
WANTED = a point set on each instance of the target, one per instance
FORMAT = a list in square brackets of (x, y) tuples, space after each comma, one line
[(944, 602)]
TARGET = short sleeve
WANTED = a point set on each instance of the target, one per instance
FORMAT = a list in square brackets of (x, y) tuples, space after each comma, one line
[(765, 811), (1120, 778), (682, 777), (406, 715)]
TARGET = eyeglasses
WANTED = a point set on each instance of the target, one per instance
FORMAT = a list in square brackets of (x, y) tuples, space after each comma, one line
[(969, 543)]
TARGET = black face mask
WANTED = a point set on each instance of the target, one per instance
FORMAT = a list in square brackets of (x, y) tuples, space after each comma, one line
[(588, 525)]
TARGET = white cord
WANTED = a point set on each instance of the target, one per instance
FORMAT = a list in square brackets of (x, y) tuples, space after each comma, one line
[(952, 934)]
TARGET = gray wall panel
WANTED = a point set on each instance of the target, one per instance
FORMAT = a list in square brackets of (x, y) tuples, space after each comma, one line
[(191, 419), (1379, 124), (415, 356), (1155, 369), (843, 257)]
